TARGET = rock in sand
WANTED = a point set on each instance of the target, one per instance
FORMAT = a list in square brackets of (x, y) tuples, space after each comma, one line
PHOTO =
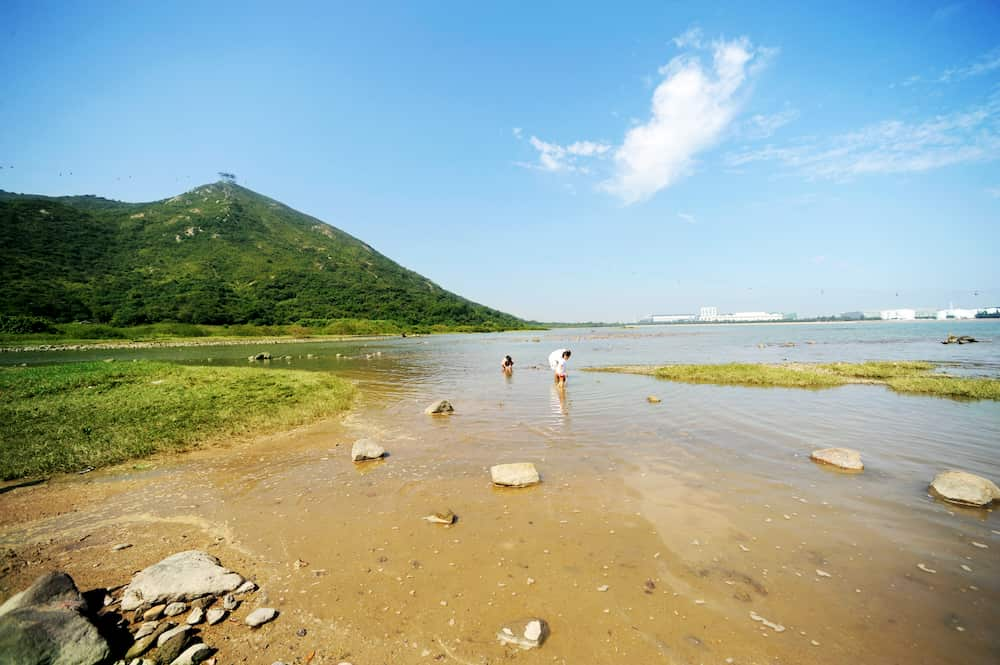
[(845, 458), (260, 616), (47, 623), (439, 407), (366, 449), (182, 576), (525, 633), (965, 488), (215, 615), (518, 474)]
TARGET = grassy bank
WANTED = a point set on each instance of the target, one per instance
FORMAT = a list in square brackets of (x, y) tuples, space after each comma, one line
[(60, 334), (903, 377), (73, 416)]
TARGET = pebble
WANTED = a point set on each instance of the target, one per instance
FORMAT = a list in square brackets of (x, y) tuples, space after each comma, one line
[(246, 587), (966, 568), (603, 587), (744, 548), (173, 609), (166, 635), (981, 546), (229, 602), (776, 627), (215, 615), (814, 643), (121, 546), (145, 629), (823, 573), (197, 616), (925, 568), (260, 616), (154, 612)]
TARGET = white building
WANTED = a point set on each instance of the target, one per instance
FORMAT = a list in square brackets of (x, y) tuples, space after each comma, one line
[(751, 316), (898, 314), (671, 318), (708, 314), (943, 314)]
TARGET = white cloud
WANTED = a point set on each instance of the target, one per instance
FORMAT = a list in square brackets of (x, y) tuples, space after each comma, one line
[(686, 218), (994, 192), (891, 146), (985, 64), (691, 38), (762, 126), (555, 157), (517, 132), (691, 108)]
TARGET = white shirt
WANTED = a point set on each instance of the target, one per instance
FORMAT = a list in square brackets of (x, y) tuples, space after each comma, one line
[(557, 362)]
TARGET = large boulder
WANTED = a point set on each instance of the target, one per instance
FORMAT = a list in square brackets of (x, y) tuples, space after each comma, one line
[(49, 588), (180, 577), (46, 624), (518, 474), (845, 458), (965, 488)]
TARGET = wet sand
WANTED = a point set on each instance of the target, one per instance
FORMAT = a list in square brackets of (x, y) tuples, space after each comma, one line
[(694, 513), (686, 556)]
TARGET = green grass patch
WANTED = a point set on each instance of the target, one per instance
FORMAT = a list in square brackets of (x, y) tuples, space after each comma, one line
[(743, 374), (72, 416), (903, 377)]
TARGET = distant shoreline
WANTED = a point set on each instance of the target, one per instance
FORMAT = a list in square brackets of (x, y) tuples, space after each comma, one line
[(194, 341), (797, 323)]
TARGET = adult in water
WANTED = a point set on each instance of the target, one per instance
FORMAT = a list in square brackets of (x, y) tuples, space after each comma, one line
[(508, 365), (557, 361)]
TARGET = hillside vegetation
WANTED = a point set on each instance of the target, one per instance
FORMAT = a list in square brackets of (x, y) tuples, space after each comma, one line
[(219, 255)]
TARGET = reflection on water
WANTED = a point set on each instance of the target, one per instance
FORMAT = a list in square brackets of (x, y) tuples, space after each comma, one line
[(714, 481)]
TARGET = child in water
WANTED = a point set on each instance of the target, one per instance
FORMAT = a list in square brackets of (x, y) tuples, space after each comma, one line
[(557, 361), (508, 365)]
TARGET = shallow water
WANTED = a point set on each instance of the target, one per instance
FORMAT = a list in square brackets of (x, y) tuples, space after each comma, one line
[(709, 495)]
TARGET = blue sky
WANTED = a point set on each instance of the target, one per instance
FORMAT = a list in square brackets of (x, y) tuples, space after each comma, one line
[(563, 162)]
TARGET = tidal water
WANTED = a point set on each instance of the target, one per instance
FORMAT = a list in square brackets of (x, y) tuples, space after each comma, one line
[(709, 496)]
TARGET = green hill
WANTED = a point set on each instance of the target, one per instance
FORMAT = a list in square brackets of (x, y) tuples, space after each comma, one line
[(219, 254)]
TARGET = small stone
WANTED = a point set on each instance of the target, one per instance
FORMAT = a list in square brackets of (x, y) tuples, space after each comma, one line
[(170, 634), (776, 627), (168, 650), (603, 588), (145, 629), (366, 449), (229, 602), (440, 407), (925, 568), (982, 546), (121, 546), (814, 643), (260, 616), (215, 615), (143, 644), (844, 458), (193, 655), (246, 587), (446, 517), (524, 633), (519, 474), (301, 632), (154, 612), (197, 616), (823, 573), (173, 609), (653, 399)]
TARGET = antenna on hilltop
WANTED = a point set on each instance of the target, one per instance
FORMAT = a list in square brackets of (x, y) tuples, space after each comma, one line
[(227, 177)]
